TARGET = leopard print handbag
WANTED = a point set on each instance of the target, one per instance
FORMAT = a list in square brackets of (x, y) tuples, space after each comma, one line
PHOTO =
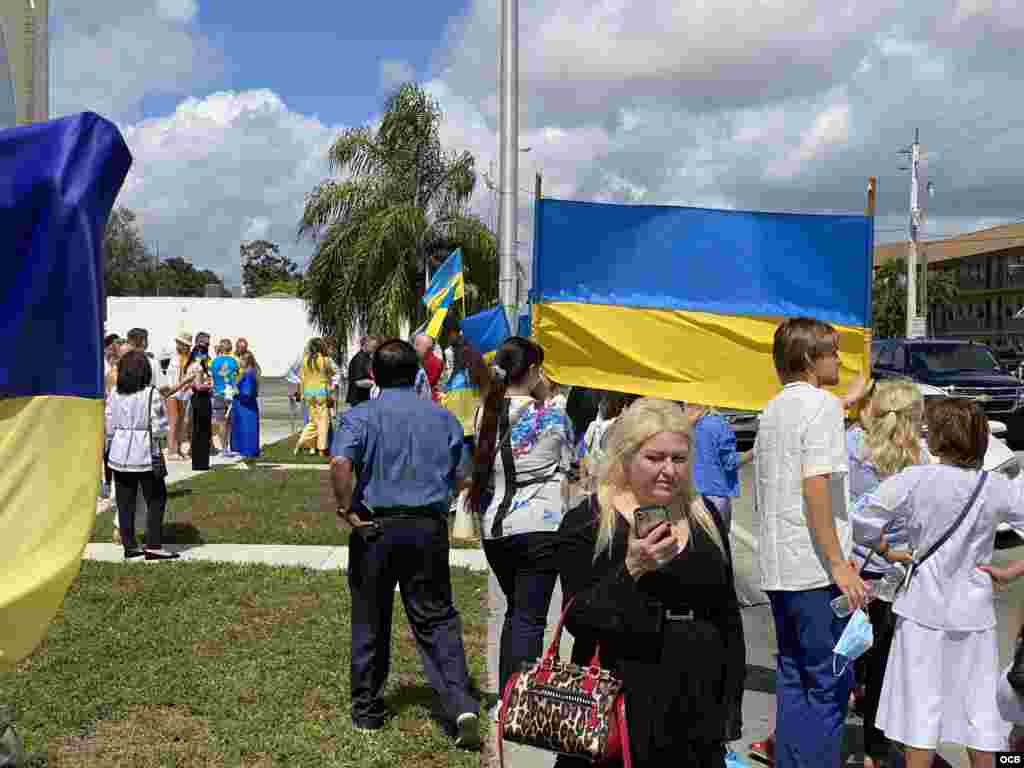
[(565, 708)]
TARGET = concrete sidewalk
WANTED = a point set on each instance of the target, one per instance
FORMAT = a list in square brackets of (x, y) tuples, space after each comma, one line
[(319, 558)]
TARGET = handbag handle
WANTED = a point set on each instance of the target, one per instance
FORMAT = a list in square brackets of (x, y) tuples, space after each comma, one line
[(553, 651)]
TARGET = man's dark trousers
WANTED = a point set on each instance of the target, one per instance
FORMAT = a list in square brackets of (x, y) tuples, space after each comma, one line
[(413, 553)]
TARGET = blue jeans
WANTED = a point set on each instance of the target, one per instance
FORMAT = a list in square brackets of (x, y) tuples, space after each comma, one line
[(811, 701), (525, 567)]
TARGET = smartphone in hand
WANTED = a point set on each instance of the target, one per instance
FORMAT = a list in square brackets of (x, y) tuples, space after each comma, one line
[(646, 519)]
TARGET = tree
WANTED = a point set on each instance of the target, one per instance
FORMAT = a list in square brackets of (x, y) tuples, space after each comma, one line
[(263, 267), (125, 257), (889, 296), (178, 277), (398, 211), (130, 269)]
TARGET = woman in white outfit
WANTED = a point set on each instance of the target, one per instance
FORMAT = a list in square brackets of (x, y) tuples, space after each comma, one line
[(136, 423), (940, 682)]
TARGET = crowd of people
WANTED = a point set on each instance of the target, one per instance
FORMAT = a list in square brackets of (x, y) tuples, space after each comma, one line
[(853, 495), (847, 491), (184, 407)]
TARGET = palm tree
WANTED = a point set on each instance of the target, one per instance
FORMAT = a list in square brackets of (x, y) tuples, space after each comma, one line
[(889, 296), (398, 207)]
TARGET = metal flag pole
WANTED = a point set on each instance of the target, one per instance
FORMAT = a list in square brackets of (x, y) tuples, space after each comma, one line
[(509, 155)]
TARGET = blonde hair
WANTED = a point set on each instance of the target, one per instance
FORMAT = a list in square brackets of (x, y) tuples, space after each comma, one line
[(645, 418), (892, 425)]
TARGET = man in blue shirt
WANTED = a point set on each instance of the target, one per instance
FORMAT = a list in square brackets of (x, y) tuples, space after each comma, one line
[(408, 455)]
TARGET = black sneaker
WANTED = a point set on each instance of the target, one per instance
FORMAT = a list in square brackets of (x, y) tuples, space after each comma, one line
[(133, 554), (161, 554)]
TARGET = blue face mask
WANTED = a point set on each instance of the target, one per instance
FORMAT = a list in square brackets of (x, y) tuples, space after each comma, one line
[(855, 641)]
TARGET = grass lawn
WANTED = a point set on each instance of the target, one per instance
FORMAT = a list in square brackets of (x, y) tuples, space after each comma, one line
[(282, 452), (253, 506), (206, 665)]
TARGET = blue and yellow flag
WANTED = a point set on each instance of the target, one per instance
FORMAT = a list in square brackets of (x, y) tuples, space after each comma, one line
[(486, 330), (61, 180), (683, 303), (524, 322), (446, 286)]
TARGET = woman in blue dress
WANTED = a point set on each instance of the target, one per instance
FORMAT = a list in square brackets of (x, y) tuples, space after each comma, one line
[(245, 410)]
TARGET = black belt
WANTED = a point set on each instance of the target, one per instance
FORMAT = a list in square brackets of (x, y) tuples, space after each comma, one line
[(399, 513)]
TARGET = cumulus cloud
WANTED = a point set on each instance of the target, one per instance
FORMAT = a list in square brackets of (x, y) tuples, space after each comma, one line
[(757, 104), (760, 105), (230, 167), (107, 57)]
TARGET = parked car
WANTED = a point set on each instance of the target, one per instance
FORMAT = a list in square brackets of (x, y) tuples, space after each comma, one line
[(959, 369)]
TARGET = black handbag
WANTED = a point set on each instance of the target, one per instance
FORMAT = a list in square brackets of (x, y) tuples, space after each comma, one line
[(156, 454)]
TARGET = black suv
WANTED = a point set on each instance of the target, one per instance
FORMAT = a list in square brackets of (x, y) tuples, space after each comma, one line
[(958, 368)]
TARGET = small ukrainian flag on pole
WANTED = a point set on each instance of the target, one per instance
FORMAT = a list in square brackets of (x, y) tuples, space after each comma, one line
[(446, 286)]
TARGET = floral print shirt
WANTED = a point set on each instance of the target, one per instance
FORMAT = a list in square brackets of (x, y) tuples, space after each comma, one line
[(542, 447)]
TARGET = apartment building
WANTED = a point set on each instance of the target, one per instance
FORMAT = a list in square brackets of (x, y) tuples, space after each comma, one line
[(988, 267)]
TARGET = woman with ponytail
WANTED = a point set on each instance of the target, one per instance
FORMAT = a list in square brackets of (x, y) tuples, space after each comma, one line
[(887, 441), (520, 490)]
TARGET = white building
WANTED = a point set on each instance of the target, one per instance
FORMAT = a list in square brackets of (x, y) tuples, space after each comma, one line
[(277, 328)]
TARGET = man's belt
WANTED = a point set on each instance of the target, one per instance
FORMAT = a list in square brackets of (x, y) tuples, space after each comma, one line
[(431, 511)]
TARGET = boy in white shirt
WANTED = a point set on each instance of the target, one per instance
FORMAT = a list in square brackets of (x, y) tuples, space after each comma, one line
[(805, 540)]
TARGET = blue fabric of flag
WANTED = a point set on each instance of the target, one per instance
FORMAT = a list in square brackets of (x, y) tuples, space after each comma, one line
[(486, 330), (60, 180), (696, 259), (524, 323)]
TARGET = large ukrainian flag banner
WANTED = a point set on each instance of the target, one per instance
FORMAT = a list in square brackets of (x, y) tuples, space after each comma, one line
[(683, 303), (60, 182), (446, 286)]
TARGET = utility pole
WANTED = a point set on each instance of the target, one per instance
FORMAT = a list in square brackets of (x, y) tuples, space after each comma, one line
[(508, 187), (913, 325), (870, 213)]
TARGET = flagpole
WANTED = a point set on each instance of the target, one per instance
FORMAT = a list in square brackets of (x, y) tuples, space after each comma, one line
[(509, 155)]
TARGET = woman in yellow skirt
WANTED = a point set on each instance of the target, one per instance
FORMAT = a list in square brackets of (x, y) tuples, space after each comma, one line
[(315, 376)]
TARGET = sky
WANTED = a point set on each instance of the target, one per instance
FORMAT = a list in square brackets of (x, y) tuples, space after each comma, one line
[(229, 108)]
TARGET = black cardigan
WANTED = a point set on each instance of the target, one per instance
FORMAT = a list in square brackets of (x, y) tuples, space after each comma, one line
[(704, 660)]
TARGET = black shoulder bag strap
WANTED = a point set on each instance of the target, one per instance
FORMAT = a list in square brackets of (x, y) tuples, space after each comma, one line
[(917, 562), (508, 465)]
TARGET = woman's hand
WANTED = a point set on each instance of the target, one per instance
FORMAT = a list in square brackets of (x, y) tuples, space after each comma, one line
[(857, 392), (651, 553), (1003, 577)]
